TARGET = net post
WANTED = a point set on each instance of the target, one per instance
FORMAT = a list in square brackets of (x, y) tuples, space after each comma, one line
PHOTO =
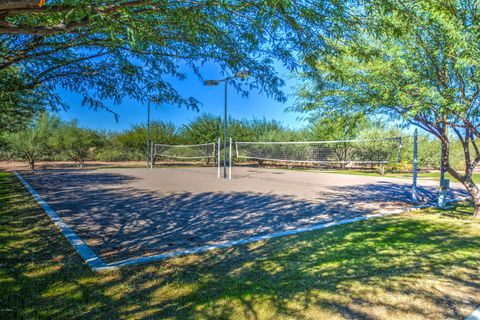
[(400, 147), (230, 160), (213, 155), (382, 169), (218, 158), (415, 166), (444, 183), (151, 155)]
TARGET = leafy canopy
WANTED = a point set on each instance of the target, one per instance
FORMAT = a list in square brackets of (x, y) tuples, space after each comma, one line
[(18, 106), (418, 60), (35, 141), (75, 142), (115, 50)]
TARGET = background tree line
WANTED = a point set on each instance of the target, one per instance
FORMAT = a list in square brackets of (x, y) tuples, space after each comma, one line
[(47, 137)]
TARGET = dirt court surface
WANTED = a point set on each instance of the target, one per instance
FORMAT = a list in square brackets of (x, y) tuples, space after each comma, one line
[(125, 213)]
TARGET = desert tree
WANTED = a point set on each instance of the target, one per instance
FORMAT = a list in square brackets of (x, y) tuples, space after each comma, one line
[(77, 144), (33, 142), (412, 60)]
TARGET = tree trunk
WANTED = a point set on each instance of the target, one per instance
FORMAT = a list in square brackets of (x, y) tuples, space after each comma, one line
[(476, 213), (31, 163), (382, 169), (20, 4), (474, 192), (476, 203)]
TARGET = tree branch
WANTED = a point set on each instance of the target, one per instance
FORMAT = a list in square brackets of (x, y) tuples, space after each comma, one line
[(9, 28)]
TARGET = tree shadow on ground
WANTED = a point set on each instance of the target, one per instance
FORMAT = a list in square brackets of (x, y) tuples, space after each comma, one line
[(122, 222), (318, 270), (40, 272), (305, 276)]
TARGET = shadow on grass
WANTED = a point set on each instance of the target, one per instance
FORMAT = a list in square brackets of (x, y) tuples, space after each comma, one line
[(463, 210), (282, 271), (40, 273)]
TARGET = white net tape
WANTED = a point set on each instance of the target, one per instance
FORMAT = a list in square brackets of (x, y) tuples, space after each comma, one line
[(187, 151), (370, 151)]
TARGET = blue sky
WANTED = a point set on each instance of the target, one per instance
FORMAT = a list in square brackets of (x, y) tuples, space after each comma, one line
[(256, 105)]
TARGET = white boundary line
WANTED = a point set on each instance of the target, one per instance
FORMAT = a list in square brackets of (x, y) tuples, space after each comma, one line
[(92, 260), (96, 264)]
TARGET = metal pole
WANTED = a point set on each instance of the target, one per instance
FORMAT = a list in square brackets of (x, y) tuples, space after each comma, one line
[(225, 134), (149, 156), (230, 161), (400, 148), (152, 156), (218, 158), (415, 166), (442, 194), (444, 183), (442, 167)]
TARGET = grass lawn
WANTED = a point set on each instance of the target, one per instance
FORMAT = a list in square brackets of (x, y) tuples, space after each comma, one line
[(418, 265), (422, 175), (436, 176)]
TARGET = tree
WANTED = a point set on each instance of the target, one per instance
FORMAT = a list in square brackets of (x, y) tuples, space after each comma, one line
[(415, 60), (33, 142), (204, 129), (336, 125), (74, 142), (259, 129), (130, 49), (208, 128), (132, 143), (17, 107), (136, 137)]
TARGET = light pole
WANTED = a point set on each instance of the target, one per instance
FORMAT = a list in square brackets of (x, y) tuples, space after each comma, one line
[(241, 75)]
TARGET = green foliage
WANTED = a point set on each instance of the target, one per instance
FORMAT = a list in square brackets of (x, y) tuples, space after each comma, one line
[(136, 137), (208, 128), (70, 142), (77, 144), (203, 129), (263, 130), (336, 126), (133, 49), (17, 105), (132, 143), (415, 61), (281, 135), (35, 141)]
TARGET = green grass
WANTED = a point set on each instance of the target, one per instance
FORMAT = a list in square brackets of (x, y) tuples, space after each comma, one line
[(436, 176), (414, 266), (422, 175)]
